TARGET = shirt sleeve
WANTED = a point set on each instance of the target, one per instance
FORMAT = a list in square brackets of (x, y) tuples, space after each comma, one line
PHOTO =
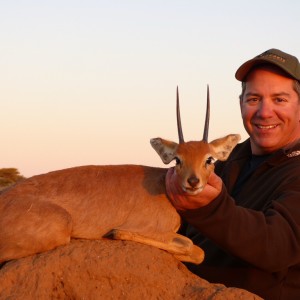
[(269, 240)]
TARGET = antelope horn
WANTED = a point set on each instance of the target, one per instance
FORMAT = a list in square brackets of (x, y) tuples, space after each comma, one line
[(180, 135), (206, 126)]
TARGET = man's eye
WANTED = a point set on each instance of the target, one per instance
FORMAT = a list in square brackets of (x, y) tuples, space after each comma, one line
[(280, 100), (252, 100)]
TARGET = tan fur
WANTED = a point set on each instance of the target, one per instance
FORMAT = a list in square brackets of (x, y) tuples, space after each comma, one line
[(193, 157), (90, 202)]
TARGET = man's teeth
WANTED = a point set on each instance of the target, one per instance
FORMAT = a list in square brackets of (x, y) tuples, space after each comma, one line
[(266, 126)]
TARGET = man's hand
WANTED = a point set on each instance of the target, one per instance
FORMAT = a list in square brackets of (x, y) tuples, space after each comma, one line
[(183, 201)]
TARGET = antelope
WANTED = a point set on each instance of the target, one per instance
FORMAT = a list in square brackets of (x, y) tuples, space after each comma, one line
[(126, 202)]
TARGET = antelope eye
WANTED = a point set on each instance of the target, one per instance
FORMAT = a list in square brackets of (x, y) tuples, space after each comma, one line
[(210, 160), (178, 161)]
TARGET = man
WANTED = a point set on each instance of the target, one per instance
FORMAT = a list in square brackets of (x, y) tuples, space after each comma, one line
[(247, 219)]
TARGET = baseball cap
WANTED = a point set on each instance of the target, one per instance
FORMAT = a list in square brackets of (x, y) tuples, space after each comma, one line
[(286, 62)]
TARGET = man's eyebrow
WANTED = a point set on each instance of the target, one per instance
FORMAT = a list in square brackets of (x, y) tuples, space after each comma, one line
[(252, 94), (281, 94)]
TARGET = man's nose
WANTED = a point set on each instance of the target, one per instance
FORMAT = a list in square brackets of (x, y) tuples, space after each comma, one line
[(265, 109)]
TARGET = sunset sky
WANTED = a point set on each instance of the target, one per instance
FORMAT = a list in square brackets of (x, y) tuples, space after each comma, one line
[(91, 82)]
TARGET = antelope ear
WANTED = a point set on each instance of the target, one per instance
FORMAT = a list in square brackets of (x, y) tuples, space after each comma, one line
[(222, 147), (166, 149)]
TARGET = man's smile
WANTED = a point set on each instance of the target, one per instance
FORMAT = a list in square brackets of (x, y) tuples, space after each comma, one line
[(266, 127)]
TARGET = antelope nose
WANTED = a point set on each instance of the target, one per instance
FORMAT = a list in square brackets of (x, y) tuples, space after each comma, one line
[(193, 181)]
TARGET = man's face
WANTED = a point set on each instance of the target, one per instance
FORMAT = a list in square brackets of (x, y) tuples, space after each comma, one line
[(270, 110)]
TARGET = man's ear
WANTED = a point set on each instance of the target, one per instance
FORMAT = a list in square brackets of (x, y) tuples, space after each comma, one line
[(166, 149), (222, 147)]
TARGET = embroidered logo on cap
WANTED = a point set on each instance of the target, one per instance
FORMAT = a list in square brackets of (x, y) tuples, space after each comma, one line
[(272, 56)]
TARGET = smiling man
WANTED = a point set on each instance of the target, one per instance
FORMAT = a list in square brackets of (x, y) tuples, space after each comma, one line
[(247, 218), (270, 109)]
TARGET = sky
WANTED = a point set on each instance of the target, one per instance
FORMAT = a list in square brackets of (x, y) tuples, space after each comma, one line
[(91, 82)]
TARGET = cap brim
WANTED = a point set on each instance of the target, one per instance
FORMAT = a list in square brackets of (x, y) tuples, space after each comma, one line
[(244, 69)]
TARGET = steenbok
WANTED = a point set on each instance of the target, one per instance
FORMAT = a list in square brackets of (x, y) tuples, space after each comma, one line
[(126, 202)]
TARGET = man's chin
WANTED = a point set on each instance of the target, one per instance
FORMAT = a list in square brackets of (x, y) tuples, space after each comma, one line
[(263, 146)]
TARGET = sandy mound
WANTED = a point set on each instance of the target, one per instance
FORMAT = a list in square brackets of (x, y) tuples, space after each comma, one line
[(107, 269)]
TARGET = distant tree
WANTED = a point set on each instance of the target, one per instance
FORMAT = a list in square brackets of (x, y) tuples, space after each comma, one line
[(9, 176)]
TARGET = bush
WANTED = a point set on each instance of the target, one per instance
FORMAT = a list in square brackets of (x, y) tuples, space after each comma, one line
[(9, 176)]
